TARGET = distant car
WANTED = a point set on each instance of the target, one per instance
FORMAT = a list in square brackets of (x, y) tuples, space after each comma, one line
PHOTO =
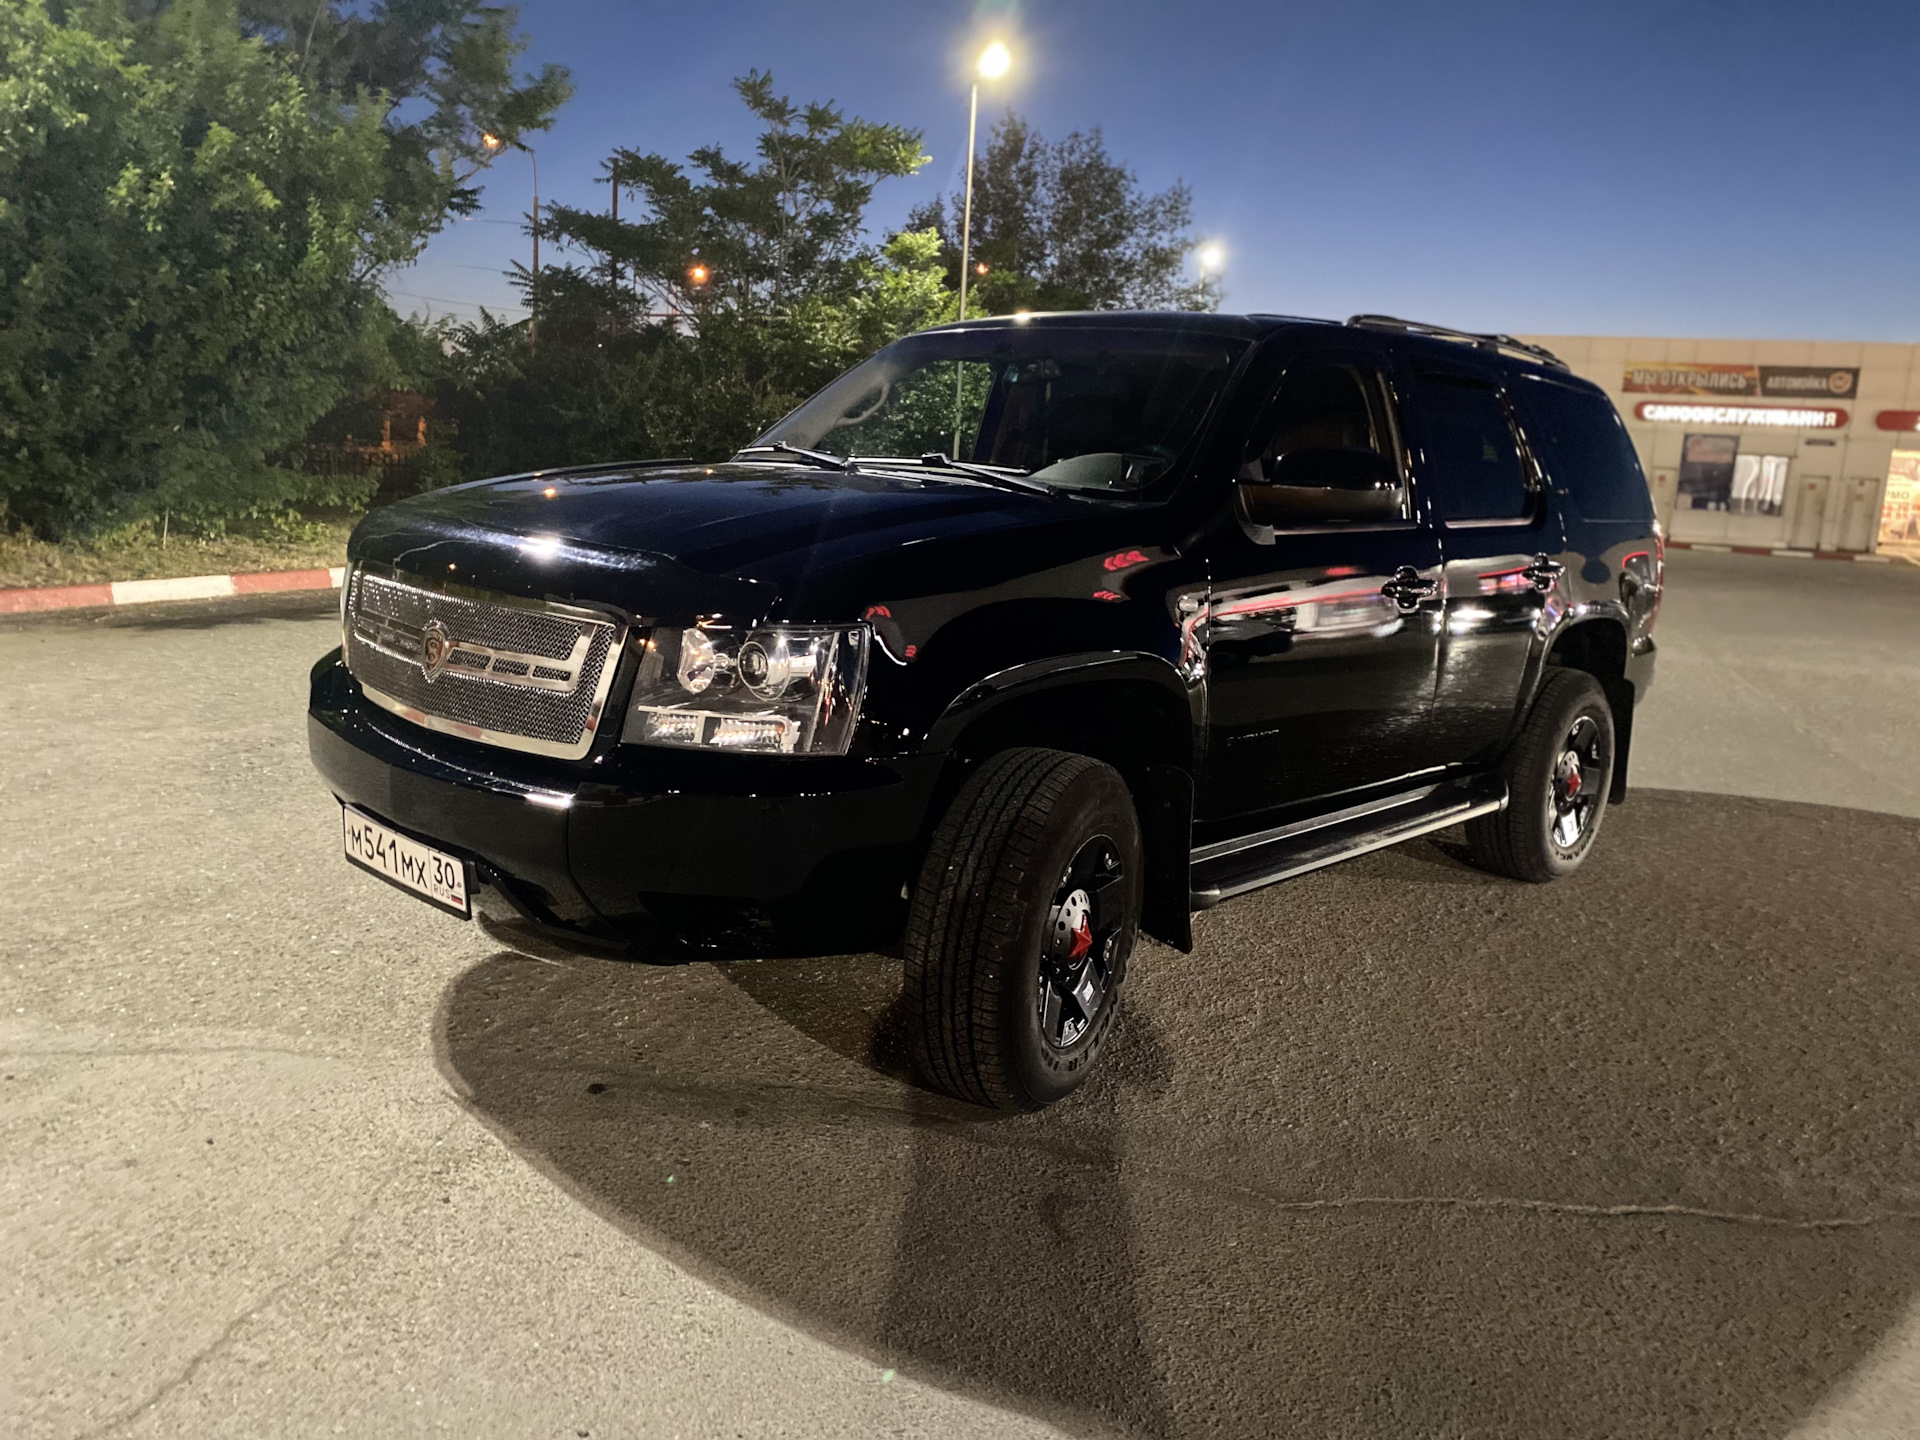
[(1022, 637)]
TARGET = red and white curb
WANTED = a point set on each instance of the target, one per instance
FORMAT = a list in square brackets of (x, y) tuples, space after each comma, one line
[(185, 587), (1779, 550)]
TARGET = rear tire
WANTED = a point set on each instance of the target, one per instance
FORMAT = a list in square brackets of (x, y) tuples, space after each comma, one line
[(1558, 774), (1025, 914)]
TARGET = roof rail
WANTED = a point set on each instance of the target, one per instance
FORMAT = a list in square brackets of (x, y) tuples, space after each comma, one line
[(1442, 332)]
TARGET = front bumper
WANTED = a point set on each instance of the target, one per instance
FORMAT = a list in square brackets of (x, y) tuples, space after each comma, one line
[(608, 847)]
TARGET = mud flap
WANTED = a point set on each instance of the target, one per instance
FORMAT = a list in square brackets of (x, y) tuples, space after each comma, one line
[(1163, 795)]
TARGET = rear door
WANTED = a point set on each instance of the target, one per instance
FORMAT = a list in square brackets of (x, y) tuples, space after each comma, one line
[(1499, 539), (1320, 681)]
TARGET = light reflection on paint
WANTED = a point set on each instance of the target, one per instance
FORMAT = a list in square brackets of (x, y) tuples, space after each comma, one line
[(1340, 608), (1505, 582)]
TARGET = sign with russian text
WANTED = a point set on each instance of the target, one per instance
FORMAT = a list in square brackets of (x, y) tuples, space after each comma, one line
[(1786, 382), (1779, 417), (1676, 378), (1808, 382)]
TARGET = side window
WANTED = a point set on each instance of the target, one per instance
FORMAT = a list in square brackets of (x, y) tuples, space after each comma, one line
[(1316, 407), (1587, 451), (1473, 463)]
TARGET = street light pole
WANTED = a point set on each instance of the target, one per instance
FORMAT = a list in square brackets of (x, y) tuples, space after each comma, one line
[(613, 265), (994, 62), (493, 143), (966, 221), (533, 294)]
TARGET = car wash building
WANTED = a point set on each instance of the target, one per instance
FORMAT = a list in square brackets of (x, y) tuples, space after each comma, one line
[(1802, 446)]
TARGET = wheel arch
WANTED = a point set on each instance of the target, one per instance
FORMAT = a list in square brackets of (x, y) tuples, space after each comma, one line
[(1596, 642), (1130, 710)]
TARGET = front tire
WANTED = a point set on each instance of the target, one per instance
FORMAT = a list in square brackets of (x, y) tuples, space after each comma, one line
[(1022, 923), (1558, 774)]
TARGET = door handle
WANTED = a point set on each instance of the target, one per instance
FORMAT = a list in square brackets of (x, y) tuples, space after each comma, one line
[(1409, 587), (1544, 573)]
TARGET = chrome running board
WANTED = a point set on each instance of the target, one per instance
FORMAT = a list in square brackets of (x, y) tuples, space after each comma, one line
[(1233, 867)]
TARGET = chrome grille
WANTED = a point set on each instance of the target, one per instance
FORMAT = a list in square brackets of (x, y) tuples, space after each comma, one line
[(494, 668)]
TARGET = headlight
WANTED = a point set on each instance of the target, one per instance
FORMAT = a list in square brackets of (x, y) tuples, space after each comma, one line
[(781, 690)]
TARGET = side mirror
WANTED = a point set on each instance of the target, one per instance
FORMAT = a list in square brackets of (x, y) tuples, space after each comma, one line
[(1324, 486)]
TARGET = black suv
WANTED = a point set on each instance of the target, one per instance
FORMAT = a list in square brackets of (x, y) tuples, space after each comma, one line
[(1025, 635)]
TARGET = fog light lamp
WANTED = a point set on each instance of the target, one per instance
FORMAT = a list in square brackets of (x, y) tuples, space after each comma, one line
[(668, 727), (732, 734)]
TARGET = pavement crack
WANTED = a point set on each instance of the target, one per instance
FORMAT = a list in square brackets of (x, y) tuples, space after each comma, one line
[(123, 1052), (1563, 1207), (200, 1357)]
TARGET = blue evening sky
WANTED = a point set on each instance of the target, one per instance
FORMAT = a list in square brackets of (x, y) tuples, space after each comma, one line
[(1693, 168)]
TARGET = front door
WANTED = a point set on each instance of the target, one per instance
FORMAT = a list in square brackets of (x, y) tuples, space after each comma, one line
[(1809, 513), (1500, 541), (1321, 641)]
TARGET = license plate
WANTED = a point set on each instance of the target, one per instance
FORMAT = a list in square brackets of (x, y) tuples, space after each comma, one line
[(437, 878)]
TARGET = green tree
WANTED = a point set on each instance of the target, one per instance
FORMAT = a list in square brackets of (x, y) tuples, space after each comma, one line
[(445, 71), (1062, 225), (180, 226), (764, 234), (637, 358), (672, 389), (195, 203)]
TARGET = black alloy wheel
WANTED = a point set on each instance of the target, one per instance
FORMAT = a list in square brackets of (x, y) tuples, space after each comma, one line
[(1571, 794), (1026, 911), (1084, 927), (1558, 773)]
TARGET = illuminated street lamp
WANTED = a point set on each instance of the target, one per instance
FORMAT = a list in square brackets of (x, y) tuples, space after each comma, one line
[(994, 63)]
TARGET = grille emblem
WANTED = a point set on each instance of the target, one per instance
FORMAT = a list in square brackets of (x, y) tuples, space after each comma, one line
[(436, 644)]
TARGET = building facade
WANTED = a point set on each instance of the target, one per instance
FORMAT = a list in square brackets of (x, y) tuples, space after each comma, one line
[(1777, 444)]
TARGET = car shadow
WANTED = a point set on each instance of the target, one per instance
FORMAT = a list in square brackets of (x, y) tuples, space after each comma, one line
[(1624, 1155)]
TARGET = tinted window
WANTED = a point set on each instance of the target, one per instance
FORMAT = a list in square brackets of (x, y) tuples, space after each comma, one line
[(1586, 451), (1316, 406), (1095, 408), (1472, 459)]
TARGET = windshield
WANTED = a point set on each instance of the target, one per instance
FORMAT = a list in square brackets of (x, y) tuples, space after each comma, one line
[(1084, 409)]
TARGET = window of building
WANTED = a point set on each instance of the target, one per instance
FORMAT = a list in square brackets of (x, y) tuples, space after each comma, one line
[(1759, 484), (1900, 509), (1706, 471)]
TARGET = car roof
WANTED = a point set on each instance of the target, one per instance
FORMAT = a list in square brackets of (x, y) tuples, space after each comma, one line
[(1489, 354), (1190, 322)]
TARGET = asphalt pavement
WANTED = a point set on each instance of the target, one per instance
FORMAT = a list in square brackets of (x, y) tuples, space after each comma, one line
[(1401, 1150)]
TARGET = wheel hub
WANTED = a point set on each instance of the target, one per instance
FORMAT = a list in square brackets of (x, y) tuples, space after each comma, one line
[(1570, 798), (1076, 968)]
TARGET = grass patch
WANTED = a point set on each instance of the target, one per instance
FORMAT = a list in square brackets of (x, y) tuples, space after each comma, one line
[(136, 553)]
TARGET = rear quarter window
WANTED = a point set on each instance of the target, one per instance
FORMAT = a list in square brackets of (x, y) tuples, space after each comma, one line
[(1585, 450)]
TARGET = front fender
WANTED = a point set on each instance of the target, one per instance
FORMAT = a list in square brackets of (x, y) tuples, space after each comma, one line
[(1128, 708)]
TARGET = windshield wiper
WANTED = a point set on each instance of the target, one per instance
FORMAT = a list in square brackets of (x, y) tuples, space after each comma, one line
[(812, 457), (1005, 479)]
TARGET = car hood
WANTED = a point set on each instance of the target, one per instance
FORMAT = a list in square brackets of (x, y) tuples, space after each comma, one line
[(723, 538)]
